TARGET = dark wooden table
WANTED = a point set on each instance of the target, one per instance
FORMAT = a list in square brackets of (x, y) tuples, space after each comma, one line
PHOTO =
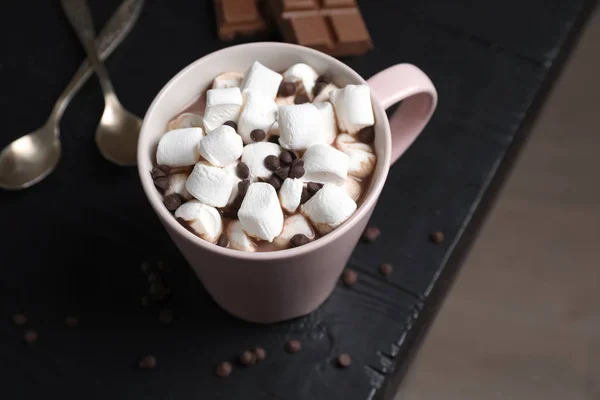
[(73, 244)]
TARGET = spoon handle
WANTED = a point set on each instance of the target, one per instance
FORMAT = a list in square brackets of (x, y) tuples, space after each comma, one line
[(111, 36), (78, 13)]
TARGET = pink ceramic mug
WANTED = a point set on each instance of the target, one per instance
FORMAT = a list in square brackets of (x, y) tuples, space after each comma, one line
[(268, 287)]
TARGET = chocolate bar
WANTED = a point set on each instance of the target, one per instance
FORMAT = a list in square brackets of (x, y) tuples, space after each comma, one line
[(238, 17), (335, 27)]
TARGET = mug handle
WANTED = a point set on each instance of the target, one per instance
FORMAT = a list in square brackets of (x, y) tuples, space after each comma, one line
[(406, 83)]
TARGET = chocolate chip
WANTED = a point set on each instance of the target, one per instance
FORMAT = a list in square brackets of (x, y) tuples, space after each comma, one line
[(157, 173), (282, 173), (367, 135), (286, 89), (30, 336), (243, 187), (258, 135), (285, 158), (231, 124), (272, 162), (274, 181), (325, 78), (299, 240), (298, 162), (166, 316), (318, 88), (260, 353), (19, 319), (293, 346), (247, 358), (349, 277), (437, 237), (162, 266), (274, 139), (371, 234), (71, 321), (294, 156), (146, 301), (301, 99), (242, 170), (296, 171), (173, 201), (224, 369), (153, 277), (162, 184), (145, 267), (344, 360), (305, 196), (223, 241), (385, 269), (314, 187), (148, 362)]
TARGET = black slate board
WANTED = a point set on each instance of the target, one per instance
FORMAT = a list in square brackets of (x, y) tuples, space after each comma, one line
[(77, 239)]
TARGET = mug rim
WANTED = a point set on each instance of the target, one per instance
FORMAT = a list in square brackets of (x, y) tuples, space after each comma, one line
[(145, 164)]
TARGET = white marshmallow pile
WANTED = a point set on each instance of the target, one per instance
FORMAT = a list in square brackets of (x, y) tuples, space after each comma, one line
[(221, 149)]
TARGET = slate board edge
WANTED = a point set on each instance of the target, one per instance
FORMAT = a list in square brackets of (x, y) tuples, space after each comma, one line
[(415, 336)]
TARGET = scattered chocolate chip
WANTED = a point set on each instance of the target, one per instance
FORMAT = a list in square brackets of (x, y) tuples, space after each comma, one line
[(71, 321), (299, 240), (314, 187), (325, 78), (223, 241), (367, 135), (296, 171), (157, 172), (260, 353), (286, 89), (370, 234), (272, 162), (30, 336), (166, 316), (437, 237), (162, 183), (231, 124), (163, 295), (305, 196), (385, 269), (152, 276), (274, 181), (224, 369), (258, 135), (301, 99), (148, 362), (349, 277), (274, 139), (156, 288), (285, 158), (162, 266), (19, 319), (173, 201), (146, 301), (242, 170), (293, 346), (344, 360), (282, 173), (247, 358), (145, 267), (318, 88), (243, 187)]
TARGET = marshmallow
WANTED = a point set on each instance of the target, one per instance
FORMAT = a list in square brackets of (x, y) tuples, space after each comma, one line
[(238, 240), (262, 79), (325, 164), (362, 159), (324, 93), (204, 220), (260, 213), (177, 185), (329, 208), (258, 112), (301, 126), (294, 225), (329, 125), (353, 107), (353, 188), (290, 194), (186, 120), (254, 157), (228, 80), (222, 105), (305, 74), (222, 146), (179, 148), (232, 171), (211, 185)]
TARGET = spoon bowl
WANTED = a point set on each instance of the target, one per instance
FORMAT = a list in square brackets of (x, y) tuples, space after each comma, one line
[(117, 133)]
